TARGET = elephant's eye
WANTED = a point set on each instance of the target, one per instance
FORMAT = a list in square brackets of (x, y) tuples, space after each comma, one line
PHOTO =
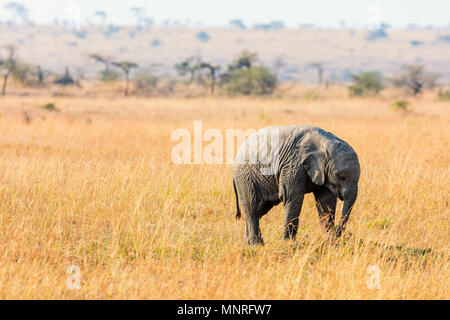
[(341, 177)]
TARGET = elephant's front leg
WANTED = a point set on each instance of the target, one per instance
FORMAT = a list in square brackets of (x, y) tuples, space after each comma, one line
[(326, 208), (292, 208)]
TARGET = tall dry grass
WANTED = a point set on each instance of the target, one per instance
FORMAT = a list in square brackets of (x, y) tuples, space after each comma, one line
[(94, 186)]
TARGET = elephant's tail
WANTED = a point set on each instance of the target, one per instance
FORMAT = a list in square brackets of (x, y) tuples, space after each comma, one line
[(238, 211)]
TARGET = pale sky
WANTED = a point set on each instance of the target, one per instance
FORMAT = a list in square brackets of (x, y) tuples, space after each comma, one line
[(325, 13)]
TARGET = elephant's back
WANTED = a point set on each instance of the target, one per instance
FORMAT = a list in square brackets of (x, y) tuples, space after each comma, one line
[(269, 141), (262, 157)]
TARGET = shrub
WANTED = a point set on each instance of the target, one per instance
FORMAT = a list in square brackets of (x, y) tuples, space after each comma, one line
[(251, 81), (155, 43), (25, 73), (311, 95), (376, 34), (415, 79), (444, 95), (237, 23), (382, 223), (401, 105), (49, 107), (367, 83), (146, 82), (445, 38), (108, 75), (203, 36), (416, 43)]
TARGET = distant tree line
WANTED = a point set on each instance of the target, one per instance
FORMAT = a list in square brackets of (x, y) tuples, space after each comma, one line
[(414, 79), (245, 75)]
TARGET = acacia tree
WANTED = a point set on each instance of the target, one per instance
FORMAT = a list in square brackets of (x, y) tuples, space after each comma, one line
[(18, 10), (141, 17), (106, 61), (126, 67), (212, 71), (319, 67), (8, 65), (415, 79), (278, 64), (107, 74), (245, 60), (102, 15), (246, 76), (188, 66)]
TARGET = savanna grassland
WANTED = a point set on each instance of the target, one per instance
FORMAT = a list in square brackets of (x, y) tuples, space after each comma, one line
[(92, 185)]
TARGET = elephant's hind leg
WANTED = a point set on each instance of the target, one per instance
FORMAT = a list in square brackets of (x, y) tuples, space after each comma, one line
[(254, 207), (252, 229)]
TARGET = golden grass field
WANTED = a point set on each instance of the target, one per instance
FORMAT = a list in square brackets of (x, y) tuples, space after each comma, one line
[(94, 186)]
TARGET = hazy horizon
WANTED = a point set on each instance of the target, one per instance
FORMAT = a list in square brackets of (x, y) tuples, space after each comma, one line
[(321, 13)]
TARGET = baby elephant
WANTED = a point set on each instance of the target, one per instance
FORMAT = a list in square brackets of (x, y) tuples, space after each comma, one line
[(281, 164)]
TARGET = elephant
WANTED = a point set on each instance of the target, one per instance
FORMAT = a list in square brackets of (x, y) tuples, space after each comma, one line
[(282, 164)]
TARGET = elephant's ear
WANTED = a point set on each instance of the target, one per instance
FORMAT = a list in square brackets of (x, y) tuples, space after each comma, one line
[(314, 163)]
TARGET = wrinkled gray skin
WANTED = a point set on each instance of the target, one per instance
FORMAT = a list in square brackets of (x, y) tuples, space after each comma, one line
[(308, 159)]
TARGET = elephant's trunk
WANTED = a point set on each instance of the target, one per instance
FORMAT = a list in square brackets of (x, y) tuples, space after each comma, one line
[(349, 201)]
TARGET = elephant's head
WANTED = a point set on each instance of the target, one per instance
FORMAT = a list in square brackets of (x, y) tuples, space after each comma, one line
[(332, 163), (342, 171)]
